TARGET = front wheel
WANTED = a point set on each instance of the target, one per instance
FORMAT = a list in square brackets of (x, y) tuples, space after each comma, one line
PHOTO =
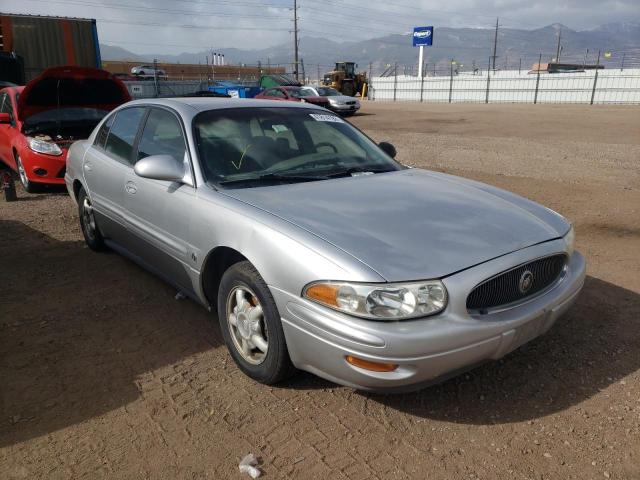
[(90, 230), (28, 185), (251, 326)]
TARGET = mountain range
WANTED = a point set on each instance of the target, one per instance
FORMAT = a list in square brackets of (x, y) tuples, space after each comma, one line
[(466, 46)]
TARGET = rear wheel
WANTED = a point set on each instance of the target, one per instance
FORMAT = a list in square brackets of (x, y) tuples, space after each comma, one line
[(90, 230), (29, 186), (251, 326)]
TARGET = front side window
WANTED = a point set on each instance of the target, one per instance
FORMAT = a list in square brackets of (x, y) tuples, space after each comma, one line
[(5, 105), (162, 135), (123, 133), (244, 147)]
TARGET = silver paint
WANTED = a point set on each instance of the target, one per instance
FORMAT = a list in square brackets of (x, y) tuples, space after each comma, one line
[(399, 226)]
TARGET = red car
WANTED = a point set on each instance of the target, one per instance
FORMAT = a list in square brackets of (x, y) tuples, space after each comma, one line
[(293, 94), (40, 121)]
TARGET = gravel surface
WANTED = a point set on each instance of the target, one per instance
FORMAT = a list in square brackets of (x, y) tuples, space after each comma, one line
[(105, 375)]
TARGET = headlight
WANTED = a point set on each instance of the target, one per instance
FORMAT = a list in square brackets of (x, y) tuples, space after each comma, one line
[(570, 240), (40, 146), (387, 301), (334, 102)]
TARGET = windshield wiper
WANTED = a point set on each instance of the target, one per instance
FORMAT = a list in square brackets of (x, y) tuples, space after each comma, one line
[(277, 177), (350, 171)]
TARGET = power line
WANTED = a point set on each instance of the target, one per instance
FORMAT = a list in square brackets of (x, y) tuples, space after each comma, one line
[(115, 6)]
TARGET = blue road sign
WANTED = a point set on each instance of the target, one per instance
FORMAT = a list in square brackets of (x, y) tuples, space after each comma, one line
[(422, 36)]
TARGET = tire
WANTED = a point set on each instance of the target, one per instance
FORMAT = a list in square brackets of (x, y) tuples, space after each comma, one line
[(88, 224), (348, 89), (29, 186), (257, 325)]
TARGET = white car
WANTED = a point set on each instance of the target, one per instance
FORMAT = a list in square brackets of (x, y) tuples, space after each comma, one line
[(147, 71), (339, 103)]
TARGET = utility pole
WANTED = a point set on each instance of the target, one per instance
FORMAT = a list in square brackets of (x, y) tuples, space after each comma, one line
[(558, 49), (495, 47), (584, 63), (295, 37)]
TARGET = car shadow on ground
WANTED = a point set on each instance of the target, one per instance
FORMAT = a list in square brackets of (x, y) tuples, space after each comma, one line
[(78, 329), (594, 345)]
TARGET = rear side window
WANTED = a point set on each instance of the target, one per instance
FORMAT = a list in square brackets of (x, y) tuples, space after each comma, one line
[(162, 135), (123, 133), (101, 136)]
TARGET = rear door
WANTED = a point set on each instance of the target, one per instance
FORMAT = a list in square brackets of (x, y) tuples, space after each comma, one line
[(158, 211), (105, 167)]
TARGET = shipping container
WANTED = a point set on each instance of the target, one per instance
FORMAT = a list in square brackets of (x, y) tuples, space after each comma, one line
[(44, 42)]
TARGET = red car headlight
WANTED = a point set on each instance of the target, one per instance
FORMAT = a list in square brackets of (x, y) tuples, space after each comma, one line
[(40, 146)]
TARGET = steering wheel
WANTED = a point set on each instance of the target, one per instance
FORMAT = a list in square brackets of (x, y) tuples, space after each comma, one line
[(326, 144)]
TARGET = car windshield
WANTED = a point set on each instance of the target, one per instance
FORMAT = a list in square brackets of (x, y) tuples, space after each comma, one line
[(328, 92), (245, 147), (301, 92)]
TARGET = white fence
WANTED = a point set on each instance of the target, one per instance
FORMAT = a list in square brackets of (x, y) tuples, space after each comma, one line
[(601, 87)]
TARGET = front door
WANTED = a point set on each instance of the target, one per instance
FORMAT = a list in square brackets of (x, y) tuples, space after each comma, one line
[(158, 211)]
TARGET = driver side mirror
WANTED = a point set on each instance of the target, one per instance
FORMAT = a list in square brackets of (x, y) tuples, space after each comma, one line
[(388, 148), (5, 119), (160, 167)]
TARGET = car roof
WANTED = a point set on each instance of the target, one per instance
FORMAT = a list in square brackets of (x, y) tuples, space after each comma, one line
[(201, 104)]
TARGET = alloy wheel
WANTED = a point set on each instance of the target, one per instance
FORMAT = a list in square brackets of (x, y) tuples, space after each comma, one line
[(248, 329), (88, 219), (22, 173)]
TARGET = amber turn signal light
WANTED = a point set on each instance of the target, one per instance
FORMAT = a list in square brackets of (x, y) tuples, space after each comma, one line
[(372, 366), (324, 293)]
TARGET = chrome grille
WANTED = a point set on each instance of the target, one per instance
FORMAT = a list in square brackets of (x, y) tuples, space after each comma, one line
[(516, 285)]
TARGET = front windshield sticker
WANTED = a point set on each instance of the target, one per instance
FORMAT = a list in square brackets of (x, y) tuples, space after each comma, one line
[(318, 117), (279, 128)]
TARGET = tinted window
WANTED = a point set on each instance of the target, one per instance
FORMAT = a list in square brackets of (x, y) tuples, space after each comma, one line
[(162, 135), (101, 136), (123, 133), (275, 93)]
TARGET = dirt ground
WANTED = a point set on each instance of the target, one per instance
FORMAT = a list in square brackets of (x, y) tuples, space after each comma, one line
[(105, 375)]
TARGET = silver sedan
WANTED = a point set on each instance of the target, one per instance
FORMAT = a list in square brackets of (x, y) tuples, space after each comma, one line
[(339, 103), (316, 249)]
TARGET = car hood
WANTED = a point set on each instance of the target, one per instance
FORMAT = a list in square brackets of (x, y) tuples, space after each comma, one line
[(411, 224), (64, 87)]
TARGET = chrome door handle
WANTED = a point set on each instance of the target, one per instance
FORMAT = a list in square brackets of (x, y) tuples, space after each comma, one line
[(131, 188)]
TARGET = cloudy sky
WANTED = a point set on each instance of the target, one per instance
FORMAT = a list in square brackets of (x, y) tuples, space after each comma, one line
[(194, 25)]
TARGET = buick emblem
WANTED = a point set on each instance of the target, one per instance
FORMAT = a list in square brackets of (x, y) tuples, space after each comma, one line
[(526, 281)]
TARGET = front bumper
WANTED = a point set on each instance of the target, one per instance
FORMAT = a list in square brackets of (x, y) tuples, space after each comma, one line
[(431, 349), (45, 169), (344, 108)]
